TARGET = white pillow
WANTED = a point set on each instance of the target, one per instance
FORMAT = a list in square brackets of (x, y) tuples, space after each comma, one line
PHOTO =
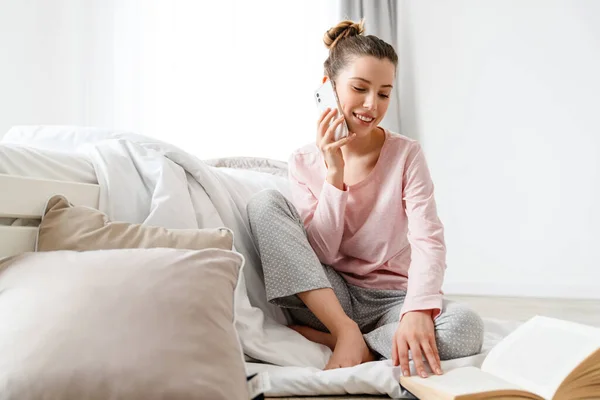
[(120, 324)]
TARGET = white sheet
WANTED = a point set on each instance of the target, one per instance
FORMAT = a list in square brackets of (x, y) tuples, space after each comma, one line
[(149, 182), (23, 160), (376, 378)]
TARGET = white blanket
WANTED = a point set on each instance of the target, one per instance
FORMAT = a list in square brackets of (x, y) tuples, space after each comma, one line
[(161, 186), (145, 181)]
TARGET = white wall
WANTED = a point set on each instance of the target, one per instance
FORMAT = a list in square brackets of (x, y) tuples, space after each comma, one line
[(219, 79), (52, 61), (504, 96), (38, 69), (230, 78)]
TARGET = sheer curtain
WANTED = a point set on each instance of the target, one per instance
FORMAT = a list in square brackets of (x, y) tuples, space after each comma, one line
[(220, 78)]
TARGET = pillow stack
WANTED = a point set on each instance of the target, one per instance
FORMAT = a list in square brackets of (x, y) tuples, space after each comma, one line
[(109, 310)]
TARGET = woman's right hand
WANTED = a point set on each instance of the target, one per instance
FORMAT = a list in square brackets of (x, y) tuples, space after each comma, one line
[(331, 150)]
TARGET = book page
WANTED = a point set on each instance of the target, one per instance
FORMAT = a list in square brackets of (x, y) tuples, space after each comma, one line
[(461, 381), (540, 354)]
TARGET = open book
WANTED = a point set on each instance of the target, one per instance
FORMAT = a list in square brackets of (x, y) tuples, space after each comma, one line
[(544, 358)]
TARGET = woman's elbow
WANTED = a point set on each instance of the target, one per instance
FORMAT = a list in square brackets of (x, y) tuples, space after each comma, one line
[(324, 252)]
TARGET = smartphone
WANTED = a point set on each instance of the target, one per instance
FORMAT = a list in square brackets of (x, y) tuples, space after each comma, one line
[(326, 97)]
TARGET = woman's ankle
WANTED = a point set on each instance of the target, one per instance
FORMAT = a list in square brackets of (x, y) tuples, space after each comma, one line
[(316, 336), (344, 326)]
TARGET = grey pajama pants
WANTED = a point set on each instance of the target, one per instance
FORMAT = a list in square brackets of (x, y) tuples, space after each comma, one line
[(290, 266)]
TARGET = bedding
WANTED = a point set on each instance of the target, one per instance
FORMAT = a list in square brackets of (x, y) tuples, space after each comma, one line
[(161, 179), (68, 227), (375, 378), (55, 152), (120, 324), (175, 197), (21, 160), (70, 139), (164, 179)]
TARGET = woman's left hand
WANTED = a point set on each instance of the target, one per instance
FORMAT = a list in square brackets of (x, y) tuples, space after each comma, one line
[(416, 333)]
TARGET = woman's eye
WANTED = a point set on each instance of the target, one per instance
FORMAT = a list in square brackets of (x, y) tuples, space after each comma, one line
[(359, 89), (385, 96)]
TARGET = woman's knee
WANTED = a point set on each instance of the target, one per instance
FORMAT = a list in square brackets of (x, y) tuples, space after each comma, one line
[(459, 332), (261, 204)]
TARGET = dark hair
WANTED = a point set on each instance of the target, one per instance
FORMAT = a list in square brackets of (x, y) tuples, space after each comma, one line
[(346, 42)]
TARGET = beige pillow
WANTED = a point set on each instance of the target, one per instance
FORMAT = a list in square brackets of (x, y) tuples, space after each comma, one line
[(120, 324), (68, 227)]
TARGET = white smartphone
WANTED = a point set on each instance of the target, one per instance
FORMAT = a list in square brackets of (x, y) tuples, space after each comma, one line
[(326, 97)]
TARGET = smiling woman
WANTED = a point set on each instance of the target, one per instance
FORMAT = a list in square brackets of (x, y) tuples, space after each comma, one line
[(358, 255)]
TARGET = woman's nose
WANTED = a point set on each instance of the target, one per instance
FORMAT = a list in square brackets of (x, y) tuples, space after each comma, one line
[(370, 103)]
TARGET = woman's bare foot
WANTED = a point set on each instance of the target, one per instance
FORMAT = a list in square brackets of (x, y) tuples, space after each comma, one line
[(350, 348), (314, 335)]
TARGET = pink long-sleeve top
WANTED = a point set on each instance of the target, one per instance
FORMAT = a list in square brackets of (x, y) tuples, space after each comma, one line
[(381, 233)]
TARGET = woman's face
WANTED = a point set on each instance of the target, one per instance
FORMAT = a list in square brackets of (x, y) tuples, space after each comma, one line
[(364, 88)]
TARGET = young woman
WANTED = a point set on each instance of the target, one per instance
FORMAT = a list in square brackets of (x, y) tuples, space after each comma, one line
[(359, 257)]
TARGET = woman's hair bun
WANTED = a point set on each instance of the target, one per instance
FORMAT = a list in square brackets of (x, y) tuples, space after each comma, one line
[(343, 30)]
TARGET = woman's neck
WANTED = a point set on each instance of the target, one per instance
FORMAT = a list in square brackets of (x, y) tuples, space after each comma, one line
[(363, 145)]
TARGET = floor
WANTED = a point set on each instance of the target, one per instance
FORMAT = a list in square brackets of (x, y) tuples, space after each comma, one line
[(512, 308)]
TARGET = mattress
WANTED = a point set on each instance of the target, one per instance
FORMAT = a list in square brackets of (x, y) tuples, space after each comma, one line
[(49, 164), (26, 161)]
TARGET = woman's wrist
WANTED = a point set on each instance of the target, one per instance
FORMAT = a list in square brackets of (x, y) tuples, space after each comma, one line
[(335, 178)]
